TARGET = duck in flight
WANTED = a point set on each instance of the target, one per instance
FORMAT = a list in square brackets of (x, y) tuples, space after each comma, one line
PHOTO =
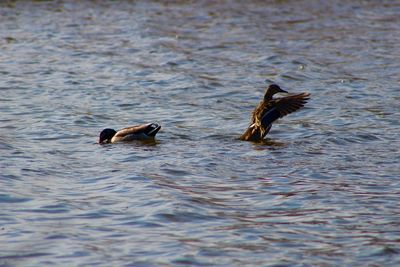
[(270, 109), (139, 132)]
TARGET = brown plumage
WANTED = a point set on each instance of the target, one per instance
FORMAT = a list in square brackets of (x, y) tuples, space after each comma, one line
[(269, 110)]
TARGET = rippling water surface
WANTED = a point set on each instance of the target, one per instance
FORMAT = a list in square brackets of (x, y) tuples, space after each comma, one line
[(323, 190)]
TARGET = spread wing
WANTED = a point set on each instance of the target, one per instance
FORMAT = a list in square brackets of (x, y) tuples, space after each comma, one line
[(269, 111), (277, 108)]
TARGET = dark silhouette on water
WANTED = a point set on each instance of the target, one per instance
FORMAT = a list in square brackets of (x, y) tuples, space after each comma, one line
[(269, 110), (140, 132)]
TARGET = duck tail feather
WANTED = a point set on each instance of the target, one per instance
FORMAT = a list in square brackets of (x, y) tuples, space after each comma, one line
[(153, 128)]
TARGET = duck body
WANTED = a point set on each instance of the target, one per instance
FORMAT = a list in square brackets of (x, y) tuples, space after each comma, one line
[(139, 132), (270, 109)]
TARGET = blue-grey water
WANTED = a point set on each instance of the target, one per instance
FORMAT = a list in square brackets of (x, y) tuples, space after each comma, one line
[(323, 190)]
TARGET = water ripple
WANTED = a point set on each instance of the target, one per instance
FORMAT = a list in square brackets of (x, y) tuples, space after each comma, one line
[(321, 190)]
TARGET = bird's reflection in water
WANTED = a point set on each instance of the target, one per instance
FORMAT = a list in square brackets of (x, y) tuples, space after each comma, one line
[(270, 144)]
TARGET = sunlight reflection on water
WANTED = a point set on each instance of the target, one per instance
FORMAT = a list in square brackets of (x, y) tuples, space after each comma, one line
[(321, 190)]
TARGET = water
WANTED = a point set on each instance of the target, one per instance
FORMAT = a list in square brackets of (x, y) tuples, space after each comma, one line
[(322, 190)]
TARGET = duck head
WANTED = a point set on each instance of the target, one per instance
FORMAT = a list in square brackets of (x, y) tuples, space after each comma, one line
[(106, 135), (271, 90)]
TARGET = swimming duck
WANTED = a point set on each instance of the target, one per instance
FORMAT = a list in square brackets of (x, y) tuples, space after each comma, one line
[(138, 132), (270, 109)]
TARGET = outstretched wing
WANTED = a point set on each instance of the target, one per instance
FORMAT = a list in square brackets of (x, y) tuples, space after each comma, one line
[(269, 111), (277, 108)]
